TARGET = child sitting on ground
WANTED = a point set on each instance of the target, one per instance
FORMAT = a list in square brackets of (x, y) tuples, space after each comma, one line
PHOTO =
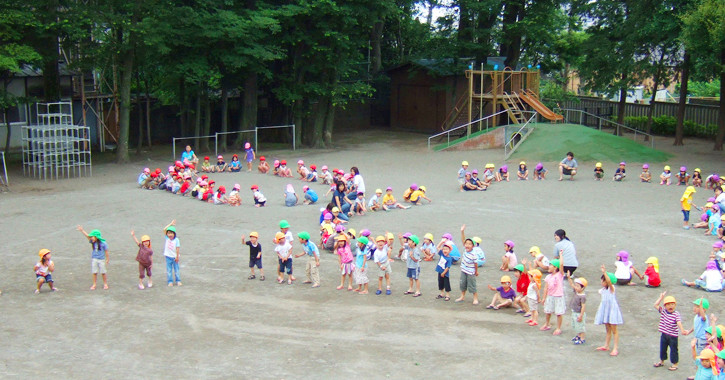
[(235, 166), (578, 306), (712, 181), (503, 173), (598, 171), (710, 280), (310, 195), (645, 176), (375, 202), (505, 294), (625, 269), (670, 326), (389, 201), (302, 170), (43, 270), (540, 261), (290, 197), (142, 177), (697, 178), (359, 206), (428, 247), (489, 174), (621, 172), (234, 199), (539, 172), (508, 261), (312, 175), (263, 166), (283, 170), (326, 176), (666, 175), (683, 178), (416, 195), (220, 166), (259, 199), (652, 273), (206, 165), (523, 173), (220, 196)]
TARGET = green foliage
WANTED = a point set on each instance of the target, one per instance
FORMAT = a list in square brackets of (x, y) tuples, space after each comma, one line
[(552, 94), (709, 89), (665, 126)]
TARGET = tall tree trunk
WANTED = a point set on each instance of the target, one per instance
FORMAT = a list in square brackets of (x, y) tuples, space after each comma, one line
[(249, 107), (183, 108), (429, 16), (682, 104), (329, 123), (621, 105), (651, 108), (48, 49), (375, 36), (465, 22), (139, 111), (125, 112), (514, 12), (318, 123), (206, 131), (721, 114), (148, 111), (197, 117), (225, 117)]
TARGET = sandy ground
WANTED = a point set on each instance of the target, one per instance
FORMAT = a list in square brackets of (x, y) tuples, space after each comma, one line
[(221, 325)]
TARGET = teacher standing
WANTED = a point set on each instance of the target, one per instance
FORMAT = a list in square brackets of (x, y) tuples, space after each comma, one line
[(564, 249)]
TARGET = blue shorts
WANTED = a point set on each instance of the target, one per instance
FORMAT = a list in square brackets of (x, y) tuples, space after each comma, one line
[(413, 273), (285, 265), (235, 170), (47, 278), (255, 261), (686, 215), (415, 202)]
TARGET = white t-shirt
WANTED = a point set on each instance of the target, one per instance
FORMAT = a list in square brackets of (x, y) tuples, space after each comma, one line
[(531, 290), (373, 200), (259, 197), (283, 250), (381, 255), (170, 247), (622, 270), (713, 279), (359, 183)]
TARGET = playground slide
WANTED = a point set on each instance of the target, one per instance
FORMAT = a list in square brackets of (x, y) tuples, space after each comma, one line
[(540, 107)]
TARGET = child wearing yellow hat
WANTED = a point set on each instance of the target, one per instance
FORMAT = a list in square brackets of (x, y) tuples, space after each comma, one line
[(144, 258), (666, 176), (697, 178), (652, 273), (344, 254), (706, 364), (43, 270), (172, 254), (609, 313), (504, 295), (381, 259), (462, 173), (578, 305), (428, 247), (533, 296), (284, 257), (523, 172), (598, 172), (99, 256), (255, 255), (670, 326), (540, 260), (686, 202)]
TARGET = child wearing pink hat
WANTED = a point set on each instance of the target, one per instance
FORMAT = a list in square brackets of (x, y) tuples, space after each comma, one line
[(275, 168), (503, 174), (683, 178), (290, 197), (310, 195), (263, 166), (645, 176), (142, 177), (220, 166), (539, 172), (325, 175), (710, 280), (249, 155), (509, 260), (234, 199), (624, 269), (302, 170)]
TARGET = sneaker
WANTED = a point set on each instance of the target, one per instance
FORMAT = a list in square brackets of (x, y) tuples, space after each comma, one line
[(388, 292), (580, 341), (378, 292), (575, 338)]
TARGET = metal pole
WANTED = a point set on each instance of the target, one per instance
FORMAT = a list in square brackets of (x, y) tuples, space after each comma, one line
[(216, 139), (173, 148), (256, 142), (294, 135)]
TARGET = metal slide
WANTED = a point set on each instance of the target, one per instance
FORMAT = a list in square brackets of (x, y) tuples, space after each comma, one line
[(539, 107)]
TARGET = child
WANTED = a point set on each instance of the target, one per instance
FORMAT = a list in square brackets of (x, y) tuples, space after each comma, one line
[(413, 264), (146, 173), (478, 251), (683, 178), (263, 166), (645, 176), (505, 294), (508, 261), (700, 323), (533, 296), (361, 265), (99, 255), (697, 178), (259, 199), (710, 280), (359, 206), (621, 172), (522, 287), (390, 202), (310, 195), (406, 194), (416, 195), (234, 199), (686, 202), (171, 252), (523, 173), (443, 269), (284, 258), (540, 172), (145, 261), (290, 197), (428, 248), (312, 270), (503, 174), (312, 175), (249, 156), (462, 173), (380, 257), (302, 170), (186, 186), (706, 364), (43, 270), (220, 166), (344, 254), (469, 269), (665, 176), (652, 273), (206, 165), (255, 255), (489, 174), (670, 326), (540, 261), (598, 172), (608, 313), (375, 202), (624, 269), (220, 197), (235, 166), (578, 305), (554, 302), (714, 221), (283, 170)]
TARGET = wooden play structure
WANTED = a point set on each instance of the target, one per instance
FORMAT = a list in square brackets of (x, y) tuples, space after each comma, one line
[(492, 91)]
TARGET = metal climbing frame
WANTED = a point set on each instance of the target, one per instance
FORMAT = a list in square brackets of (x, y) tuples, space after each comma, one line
[(55, 148)]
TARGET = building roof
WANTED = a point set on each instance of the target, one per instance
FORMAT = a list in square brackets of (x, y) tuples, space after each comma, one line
[(33, 71)]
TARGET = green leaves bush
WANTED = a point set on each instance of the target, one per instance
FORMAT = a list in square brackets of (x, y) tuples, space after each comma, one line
[(665, 126)]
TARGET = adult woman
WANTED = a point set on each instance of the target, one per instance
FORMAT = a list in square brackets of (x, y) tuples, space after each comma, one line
[(358, 182), (565, 249), (189, 156), (339, 199)]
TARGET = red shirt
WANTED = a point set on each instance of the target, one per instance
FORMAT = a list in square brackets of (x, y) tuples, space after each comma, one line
[(522, 285), (653, 278), (185, 186)]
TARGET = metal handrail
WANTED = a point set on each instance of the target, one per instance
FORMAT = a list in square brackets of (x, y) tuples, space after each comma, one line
[(635, 131), (448, 132), (507, 154)]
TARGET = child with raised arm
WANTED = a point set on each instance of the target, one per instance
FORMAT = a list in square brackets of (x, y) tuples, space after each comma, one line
[(670, 326), (700, 323), (144, 258), (99, 256), (469, 269), (171, 253), (609, 313), (43, 270), (255, 255), (578, 305), (313, 259)]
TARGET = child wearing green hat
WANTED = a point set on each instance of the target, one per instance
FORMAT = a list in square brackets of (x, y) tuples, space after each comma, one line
[(522, 286), (313, 259), (413, 264), (171, 253), (700, 322), (99, 255), (554, 302), (361, 265)]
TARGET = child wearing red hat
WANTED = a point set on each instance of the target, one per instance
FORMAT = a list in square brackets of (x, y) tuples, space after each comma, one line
[(220, 196), (206, 166), (259, 199), (235, 166), (283, 170), (263, 166)]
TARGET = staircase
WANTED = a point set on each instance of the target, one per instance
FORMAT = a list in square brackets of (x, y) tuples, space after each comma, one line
[(514, 106)]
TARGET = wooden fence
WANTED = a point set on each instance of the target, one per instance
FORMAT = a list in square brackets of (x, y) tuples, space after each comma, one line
[(700, 114)]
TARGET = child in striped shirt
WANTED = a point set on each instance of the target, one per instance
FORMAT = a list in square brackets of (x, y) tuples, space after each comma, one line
[(469, 269), (670, 322)]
